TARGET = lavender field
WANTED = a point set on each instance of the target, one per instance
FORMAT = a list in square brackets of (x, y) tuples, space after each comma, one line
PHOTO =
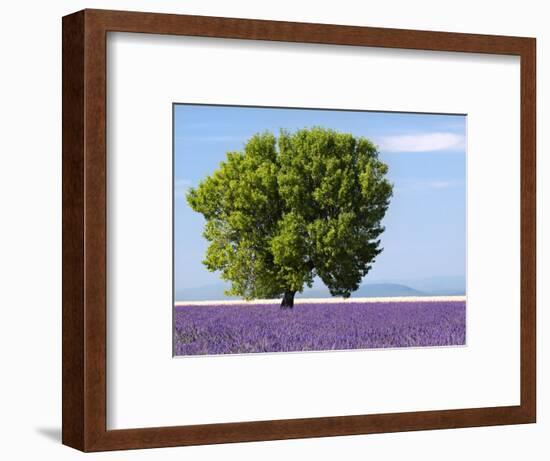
[(251, 328)]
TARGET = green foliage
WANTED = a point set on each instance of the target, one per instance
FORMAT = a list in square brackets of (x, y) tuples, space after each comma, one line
[(285, 210)]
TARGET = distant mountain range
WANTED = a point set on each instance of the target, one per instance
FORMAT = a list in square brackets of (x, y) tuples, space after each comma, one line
[(367, 290), (441, 285)]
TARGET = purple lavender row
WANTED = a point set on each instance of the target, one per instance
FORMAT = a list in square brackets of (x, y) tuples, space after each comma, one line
[(252, 328)]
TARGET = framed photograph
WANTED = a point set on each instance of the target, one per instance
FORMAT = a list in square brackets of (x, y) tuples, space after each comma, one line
[(278, 230)]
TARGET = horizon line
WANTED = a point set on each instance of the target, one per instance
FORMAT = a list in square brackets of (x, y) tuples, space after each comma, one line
[(332, 300), (377, 281)]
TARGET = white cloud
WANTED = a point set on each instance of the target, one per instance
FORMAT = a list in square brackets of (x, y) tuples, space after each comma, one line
[(440, 184), (213, 138), (423, 142), (425, 185)]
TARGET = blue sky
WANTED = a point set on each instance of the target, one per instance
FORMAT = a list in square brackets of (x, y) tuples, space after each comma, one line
[(425, 224)]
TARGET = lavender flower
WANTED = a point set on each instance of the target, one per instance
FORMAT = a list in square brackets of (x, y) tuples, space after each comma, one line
[(250, 328)]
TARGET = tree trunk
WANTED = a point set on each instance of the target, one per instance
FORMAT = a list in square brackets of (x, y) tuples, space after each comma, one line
[(288, 300)]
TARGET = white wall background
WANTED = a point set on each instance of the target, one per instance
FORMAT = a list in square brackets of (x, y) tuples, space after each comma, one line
[(30, 228)]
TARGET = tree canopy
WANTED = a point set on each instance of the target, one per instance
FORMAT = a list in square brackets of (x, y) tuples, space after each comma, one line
[(289, 208)]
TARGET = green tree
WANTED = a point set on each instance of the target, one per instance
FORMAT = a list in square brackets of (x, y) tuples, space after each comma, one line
[(286, 210)]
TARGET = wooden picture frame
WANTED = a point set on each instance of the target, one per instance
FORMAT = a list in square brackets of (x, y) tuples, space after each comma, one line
[(85, 222)]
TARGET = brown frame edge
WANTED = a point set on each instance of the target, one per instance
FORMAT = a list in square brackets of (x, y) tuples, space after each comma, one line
[(84, 229)]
